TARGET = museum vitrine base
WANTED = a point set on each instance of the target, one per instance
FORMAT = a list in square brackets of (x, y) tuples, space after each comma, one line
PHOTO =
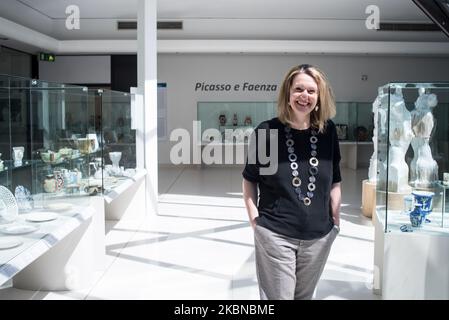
[(69, 265), (411, 265)]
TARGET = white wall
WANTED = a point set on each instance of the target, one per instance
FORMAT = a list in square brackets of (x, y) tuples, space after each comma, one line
[(182, 71), (76, 69)]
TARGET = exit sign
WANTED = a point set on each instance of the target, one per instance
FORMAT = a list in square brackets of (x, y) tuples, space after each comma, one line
[(46, 57)]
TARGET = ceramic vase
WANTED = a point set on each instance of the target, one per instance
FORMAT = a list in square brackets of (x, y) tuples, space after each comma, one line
[(417, 216), (115, 159), (425, 198), (50, 184)]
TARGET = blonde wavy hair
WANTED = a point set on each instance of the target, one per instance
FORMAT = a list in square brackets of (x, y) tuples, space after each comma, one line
[(326, 101)]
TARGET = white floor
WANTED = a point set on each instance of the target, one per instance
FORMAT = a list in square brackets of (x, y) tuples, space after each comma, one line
[(200, 246)]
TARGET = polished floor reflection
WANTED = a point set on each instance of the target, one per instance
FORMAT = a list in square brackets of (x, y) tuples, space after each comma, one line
[(200, 246)]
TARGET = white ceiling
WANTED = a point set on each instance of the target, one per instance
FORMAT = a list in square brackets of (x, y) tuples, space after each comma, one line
[(325, 20)]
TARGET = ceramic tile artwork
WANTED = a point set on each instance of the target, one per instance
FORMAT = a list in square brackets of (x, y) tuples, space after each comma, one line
[(200, 246)]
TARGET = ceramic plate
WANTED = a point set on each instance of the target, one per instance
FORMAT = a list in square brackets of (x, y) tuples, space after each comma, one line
[(19, 229), (58, 206), (9, 243), (41, 216)]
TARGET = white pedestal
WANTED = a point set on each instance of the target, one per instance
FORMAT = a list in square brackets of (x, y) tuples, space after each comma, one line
[(410, 265), (69, 265), (128, 200), (98, 222), (379, 239), (415, 266)]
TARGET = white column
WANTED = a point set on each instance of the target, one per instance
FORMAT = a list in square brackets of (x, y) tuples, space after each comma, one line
[(147, 83)]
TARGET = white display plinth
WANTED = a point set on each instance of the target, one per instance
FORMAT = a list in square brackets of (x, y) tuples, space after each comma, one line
[(411, 265), (61, 258), (128, 199)]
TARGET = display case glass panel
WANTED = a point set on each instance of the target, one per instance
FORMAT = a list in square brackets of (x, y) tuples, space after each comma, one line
[(354, 121), (5, 132), (413, 157), (118, 138)]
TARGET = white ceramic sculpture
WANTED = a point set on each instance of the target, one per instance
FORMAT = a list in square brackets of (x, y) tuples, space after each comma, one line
[(400, 136), (380, 106), (423, 168), (382, 139)]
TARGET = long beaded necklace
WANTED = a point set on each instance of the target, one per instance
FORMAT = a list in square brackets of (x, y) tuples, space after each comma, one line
[(313, 162)]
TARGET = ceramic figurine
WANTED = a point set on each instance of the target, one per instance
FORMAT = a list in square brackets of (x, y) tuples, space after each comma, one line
[(17, 155), (423, 168), (234, 120), (400, 136)]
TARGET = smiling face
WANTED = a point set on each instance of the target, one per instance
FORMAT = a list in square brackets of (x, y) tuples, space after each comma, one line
[(303, 96)]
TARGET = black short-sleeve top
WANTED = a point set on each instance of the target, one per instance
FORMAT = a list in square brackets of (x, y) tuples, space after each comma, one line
[(279, 208)]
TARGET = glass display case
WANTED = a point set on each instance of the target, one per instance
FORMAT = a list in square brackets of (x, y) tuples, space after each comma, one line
[(411, 229), (413, 157), (118, 137), (61, 143), (232, 122), (354, 121)]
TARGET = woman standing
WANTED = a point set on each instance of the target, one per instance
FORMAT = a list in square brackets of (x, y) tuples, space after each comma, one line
[(297, 215)]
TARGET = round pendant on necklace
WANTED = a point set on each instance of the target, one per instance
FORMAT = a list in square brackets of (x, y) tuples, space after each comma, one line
[(307, 201), (292, 157), (295, 173), (313, 161), (289, 142), (294, 165), (311, 186), (296, 182), (313, 170)]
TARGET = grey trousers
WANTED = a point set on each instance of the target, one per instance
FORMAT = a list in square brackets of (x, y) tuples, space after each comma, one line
[(289, 268)]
